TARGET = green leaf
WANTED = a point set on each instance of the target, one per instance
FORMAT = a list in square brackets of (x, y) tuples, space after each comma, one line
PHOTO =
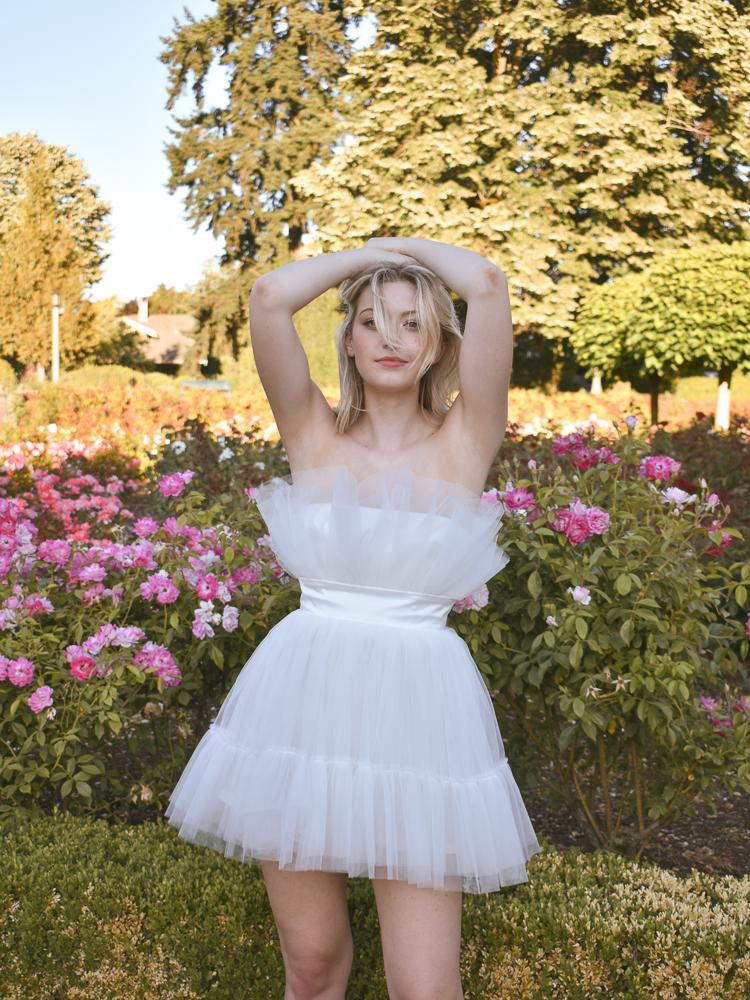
[(623, 584), (589, 728), (565, 737), (740, 594), (578, 707), (534, 583), (217, 656), (627, 631), (582, 627)]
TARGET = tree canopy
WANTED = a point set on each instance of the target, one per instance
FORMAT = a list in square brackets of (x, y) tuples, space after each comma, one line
[(688, 311), (234, 161), (52, 230), (165, 299), (570, 143), (75, 198)]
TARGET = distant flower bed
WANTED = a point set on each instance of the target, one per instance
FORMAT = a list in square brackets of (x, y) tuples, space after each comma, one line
[(135, 419)]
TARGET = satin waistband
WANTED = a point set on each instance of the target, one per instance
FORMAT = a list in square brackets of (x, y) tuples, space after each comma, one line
[(374, 604)]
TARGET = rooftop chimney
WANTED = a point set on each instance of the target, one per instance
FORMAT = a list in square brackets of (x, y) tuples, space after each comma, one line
[(142, 310)]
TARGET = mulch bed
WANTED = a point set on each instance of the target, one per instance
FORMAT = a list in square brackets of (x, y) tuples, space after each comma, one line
[(717, 845)]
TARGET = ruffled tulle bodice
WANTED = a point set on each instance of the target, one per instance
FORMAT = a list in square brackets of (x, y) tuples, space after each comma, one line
[(394, 529)]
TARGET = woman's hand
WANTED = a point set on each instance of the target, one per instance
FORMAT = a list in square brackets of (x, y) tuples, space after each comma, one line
[(462, 270), (391, 249)]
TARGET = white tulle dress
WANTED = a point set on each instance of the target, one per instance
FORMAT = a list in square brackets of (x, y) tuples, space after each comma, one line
[(360, 736)]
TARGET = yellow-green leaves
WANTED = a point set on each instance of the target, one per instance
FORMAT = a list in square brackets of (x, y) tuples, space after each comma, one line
[(534, 584)]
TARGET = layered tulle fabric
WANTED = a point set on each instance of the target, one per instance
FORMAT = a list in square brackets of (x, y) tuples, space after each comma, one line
[(360, 736), (392, 529)]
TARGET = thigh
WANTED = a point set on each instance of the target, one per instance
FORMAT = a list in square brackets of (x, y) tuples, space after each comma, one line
[(421, 933), (310, 911)]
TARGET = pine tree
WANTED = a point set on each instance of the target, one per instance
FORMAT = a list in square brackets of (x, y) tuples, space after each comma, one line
[(235, 161)]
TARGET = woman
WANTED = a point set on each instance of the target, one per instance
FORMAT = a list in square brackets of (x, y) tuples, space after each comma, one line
[(360, 739)]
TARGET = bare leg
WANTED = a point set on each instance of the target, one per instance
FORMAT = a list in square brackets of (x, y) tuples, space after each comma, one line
[(311, 915), (421, 933)]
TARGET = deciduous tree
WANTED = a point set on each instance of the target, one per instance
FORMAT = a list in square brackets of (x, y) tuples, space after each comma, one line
[(568, 142), (688, 311), (51, 234)]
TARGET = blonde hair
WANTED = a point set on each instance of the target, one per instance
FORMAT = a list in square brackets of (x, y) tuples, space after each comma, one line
[(437, 321)]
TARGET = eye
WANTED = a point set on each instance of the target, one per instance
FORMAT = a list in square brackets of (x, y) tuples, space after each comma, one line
[(412, 323)]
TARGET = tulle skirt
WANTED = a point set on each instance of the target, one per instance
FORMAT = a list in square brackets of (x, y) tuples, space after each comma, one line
[(370, 749)]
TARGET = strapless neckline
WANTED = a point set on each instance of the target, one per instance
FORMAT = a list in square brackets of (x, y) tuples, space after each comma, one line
[(393, 472)]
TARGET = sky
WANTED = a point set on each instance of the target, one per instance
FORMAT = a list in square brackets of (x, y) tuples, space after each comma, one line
[(84, 74)]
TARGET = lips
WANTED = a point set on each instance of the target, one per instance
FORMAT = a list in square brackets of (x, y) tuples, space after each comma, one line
[(391, 361)]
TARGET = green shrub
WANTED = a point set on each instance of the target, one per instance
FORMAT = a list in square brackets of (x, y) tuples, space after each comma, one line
[(8, 380), (609, 647), (91, 911), (98, 376)]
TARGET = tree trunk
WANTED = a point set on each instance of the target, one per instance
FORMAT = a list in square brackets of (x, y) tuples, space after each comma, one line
[(654, 397), (723, 398), (596, 383)]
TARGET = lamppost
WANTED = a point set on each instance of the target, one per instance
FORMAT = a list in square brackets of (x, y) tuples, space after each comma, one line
[(55, 336)]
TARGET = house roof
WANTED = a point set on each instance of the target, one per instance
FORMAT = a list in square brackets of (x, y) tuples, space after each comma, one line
[(166, 336)]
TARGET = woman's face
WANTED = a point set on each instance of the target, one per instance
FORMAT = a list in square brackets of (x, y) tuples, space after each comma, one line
[(370, 349)]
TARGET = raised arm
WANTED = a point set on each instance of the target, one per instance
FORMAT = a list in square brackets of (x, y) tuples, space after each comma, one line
[(300, 281)]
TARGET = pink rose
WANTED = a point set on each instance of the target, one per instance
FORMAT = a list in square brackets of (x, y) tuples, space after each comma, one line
[(40, 699), (578, 529), (659, 467), (598, 520), (20, 671), (82, 666)]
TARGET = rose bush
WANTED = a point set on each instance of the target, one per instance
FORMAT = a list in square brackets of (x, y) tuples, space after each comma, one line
[(111, 621), (132, 596), (614, 633)]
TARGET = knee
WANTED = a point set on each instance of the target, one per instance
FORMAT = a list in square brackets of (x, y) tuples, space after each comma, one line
[(315, 972)]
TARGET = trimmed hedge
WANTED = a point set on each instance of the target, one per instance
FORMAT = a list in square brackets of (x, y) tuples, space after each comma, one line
[(90, 911)]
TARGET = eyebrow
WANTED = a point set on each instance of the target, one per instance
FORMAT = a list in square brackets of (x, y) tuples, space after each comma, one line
[(406, 312)]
